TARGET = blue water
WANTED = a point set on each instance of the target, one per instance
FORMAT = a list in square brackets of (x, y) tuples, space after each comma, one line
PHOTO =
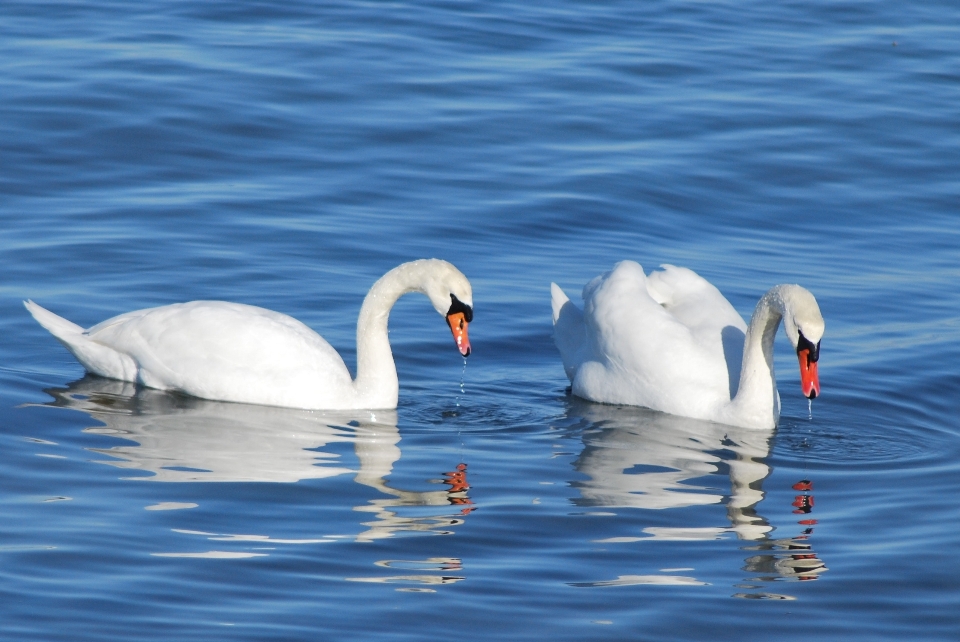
[(288, 154)]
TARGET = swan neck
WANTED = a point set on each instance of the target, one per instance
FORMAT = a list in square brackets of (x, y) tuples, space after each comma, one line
[(376, 383), (758, 385)]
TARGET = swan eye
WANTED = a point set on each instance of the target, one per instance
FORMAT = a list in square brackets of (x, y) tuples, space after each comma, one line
[(813, 349), (456, 305)]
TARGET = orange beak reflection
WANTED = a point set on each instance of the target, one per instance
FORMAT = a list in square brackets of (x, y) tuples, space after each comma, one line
[(809, 380), (458, 325)]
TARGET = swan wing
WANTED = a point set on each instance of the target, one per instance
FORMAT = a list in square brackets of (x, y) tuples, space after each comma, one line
[(641, 351), (231, 352), (714, 323), (693, 301)]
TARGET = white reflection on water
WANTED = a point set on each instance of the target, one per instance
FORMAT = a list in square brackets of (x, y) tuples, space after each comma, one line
[(214, 555), (183, 439), (637, 458), (444, 564), (633, 580), (420, 579), (172, 506)]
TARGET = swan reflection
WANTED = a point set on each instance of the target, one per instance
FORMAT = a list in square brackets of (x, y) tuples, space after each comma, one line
[(185, 439), (638, 458)]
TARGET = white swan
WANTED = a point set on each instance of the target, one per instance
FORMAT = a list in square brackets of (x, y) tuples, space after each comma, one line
[(241, 353), (671, 342)]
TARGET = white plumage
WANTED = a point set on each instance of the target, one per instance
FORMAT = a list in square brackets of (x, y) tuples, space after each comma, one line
[(671, 342), (235, 352)]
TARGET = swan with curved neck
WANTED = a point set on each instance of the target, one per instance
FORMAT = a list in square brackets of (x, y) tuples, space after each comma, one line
[(241, 353), (671, 342)]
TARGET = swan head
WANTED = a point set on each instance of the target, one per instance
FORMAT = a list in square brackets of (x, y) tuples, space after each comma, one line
[(804, 326), (451, 295)]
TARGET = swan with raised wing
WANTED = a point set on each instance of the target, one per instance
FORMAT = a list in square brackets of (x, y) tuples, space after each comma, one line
[(234, 352), (671, 342)]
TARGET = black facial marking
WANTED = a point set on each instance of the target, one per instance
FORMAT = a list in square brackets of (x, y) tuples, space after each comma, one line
[(805, 344), (459, 306)]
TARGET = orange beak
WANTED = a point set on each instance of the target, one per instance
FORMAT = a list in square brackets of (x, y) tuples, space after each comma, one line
[(809, 381), (458, 325)]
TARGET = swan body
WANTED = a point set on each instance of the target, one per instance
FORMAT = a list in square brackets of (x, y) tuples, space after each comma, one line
[(233, 352), (671, 342)]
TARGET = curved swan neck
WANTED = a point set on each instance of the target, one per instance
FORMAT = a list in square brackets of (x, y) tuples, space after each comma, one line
[(758, 385), (376, 383)]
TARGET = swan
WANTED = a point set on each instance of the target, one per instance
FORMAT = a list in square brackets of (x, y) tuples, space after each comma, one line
[(671, 342), (241, 353)]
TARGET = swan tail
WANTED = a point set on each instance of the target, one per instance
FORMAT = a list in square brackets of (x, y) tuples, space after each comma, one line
[(558, 299), (59, 327), (93, 356), (568, 330)]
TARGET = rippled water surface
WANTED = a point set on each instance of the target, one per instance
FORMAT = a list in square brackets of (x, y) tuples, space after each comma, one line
[(288, 154)]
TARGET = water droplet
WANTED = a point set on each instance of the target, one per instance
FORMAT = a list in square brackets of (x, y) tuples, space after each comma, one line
[(810, 408), (462, 375)]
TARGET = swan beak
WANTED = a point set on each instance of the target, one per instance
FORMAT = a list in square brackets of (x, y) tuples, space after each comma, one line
[(809, 380), (458, 325)]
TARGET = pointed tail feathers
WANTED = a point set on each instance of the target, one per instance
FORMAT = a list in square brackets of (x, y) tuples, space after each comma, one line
[(95, 357), (55, 325), (558, 298)]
